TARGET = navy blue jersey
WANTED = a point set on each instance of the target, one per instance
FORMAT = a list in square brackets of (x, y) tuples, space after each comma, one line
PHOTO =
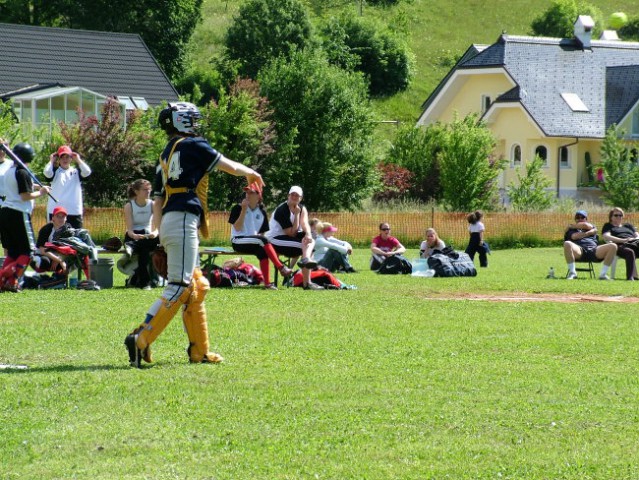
[(191, 160)]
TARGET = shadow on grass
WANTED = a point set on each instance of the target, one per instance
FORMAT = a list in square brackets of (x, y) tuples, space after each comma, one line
[(21, 369)]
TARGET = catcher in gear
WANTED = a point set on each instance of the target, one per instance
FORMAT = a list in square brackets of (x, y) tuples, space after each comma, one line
[(180, 191)]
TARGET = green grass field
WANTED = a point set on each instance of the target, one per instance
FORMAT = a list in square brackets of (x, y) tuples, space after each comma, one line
[(382, 382)]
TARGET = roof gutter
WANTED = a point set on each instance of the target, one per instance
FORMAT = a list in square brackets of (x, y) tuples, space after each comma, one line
[(559, 160)]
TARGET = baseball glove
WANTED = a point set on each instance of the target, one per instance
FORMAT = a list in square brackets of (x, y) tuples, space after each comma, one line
[(113, 244), (160, 262)]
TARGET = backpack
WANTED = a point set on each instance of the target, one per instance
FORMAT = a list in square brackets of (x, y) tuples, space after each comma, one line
[(218, 278), (442, 265), (456, 264), (394, 265), (463, 265)]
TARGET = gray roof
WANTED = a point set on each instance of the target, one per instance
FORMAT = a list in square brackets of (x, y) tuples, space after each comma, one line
[(544, 68), (108, 63)]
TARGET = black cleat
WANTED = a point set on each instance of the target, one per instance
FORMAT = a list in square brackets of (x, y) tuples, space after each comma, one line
[(135, 354)]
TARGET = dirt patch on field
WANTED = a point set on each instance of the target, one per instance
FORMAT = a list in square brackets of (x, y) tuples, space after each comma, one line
[(535, 297)]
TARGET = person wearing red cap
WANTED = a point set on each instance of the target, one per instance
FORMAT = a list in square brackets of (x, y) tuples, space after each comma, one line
[(45, 259), (16, 230), (249, 222), (66, 183)]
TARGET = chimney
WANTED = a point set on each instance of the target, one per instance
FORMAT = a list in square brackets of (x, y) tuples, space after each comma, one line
[(583, 30)]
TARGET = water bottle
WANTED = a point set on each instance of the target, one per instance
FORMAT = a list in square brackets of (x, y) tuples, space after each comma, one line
[(551, 273), (429, 273)]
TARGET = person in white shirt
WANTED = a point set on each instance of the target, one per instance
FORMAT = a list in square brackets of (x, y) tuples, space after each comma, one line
[(66, 185), (330, 252), (432, 244), (249, 223)]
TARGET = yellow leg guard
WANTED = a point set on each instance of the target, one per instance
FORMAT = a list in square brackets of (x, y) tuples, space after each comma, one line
[(166, 310), (194, 317)]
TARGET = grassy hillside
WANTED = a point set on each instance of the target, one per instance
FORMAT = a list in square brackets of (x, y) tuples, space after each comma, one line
[(437, 30)]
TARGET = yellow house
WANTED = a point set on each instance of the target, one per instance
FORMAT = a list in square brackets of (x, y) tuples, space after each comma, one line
[(550, 97)]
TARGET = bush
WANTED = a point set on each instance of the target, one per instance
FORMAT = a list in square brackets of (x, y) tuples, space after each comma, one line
[(559, 19), (396, 182), (529, 193), (621, 173)]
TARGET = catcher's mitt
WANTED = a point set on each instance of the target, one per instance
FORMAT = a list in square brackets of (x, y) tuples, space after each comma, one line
[(160, 262)]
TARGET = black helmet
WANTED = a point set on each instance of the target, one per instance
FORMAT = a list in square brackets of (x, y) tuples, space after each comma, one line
[(24, 152)]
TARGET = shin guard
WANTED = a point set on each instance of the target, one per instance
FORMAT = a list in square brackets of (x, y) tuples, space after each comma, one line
[(194, 317), (163, 311)]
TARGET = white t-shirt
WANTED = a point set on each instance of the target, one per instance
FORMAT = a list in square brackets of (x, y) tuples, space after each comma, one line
[(141, 216), (66, 187), (476, 227), (4, 166)]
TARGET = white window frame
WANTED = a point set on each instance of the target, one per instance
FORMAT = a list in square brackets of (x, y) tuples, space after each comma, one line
[(514, 163), (541, 145)]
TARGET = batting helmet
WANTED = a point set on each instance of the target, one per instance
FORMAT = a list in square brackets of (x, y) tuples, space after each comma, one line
[(24, 152), (180, 116)]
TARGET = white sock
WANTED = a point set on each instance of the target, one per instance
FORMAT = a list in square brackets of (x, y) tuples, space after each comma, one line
[(571, 268), (604, 270)]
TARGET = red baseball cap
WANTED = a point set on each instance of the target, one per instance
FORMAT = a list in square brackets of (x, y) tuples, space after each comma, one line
[(57, 210), (64, 150)]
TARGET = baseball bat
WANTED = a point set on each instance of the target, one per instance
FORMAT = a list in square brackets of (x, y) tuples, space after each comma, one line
[(17, 160)]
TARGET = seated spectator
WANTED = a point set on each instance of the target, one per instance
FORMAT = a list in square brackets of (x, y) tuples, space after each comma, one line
[(581, 244), (141, 236), (47, 259), (432, 244), (290, 234), (384, 245), (330, 252), (625, 236), (248, 224)]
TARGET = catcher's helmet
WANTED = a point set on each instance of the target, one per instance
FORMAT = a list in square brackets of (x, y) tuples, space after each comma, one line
[(25, 152), (180, 116)]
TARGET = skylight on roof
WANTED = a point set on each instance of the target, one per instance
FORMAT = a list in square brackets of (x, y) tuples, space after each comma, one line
[(574, 102)]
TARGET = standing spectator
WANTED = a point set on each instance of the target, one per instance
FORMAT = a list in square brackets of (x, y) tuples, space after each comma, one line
[(383, 246), (476, 244), (16, 230), (66, 183), (330, 252), (581, 244), (141, 236), (180, 198), (5, 164), (626, 237), (249, 222), (290, 234), (432, 244)]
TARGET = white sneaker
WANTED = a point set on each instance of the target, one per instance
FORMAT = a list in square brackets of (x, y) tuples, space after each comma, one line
[(604, 277), (571, 276)]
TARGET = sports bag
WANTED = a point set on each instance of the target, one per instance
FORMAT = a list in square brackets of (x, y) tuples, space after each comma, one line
[(458, 264), (442, 265), (394, 265)]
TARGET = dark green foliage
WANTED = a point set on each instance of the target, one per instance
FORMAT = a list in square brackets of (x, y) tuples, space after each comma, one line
[(324, 125), (114, 154), (416, 149), (621, 173), (468, 169), (559, 19), (367, 46), (264, 30), (630, 31), (529, 194), (165, 25), (240, 127)]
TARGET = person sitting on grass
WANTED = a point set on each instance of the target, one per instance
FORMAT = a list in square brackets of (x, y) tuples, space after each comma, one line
[(384, 245), (330, 252), (581, 244), (432, 244)]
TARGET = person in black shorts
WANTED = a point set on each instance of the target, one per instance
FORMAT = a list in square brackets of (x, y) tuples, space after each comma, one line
[(581, 244)]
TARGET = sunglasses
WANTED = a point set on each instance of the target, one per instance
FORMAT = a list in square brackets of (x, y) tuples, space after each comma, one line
[(580, 217), (617, 215), (385, 229)]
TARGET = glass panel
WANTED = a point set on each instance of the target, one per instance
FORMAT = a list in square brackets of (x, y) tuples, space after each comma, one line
[(516, 155), (88, 103), (542, 152), (140, 102), (635, 123), (17, 109), (57, 109), (26, 112), (42, 113), (563, 156), (73, 102)]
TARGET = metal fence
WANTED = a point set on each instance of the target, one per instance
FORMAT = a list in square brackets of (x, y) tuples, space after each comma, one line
[(359, 228)]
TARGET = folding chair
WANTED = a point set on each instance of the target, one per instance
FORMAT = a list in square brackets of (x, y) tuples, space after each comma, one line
[(590, 268)]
